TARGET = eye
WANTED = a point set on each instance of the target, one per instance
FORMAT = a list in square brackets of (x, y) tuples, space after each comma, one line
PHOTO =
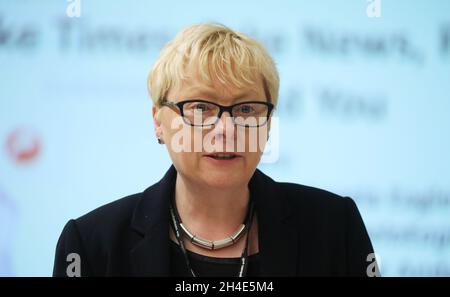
[(200, 107), (246, 109)]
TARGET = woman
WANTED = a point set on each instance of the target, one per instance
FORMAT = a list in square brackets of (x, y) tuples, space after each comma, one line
[(214, 213)]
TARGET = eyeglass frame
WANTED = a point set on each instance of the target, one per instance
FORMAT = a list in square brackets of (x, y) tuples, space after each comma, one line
[(222, 109)]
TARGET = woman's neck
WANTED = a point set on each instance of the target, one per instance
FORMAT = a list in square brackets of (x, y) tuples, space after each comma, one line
[(208, 212)]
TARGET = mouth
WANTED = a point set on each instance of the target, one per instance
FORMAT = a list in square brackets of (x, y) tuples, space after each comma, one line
[(223, 156)]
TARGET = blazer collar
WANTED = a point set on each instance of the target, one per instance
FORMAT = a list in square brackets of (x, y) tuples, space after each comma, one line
[(278, 240)]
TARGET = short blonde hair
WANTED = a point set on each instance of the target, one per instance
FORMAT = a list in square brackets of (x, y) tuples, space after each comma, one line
[(217, 52)]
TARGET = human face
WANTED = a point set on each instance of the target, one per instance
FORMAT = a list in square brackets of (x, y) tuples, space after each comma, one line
[(204, 167)]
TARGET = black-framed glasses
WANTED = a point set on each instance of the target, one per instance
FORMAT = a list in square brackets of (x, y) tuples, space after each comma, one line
[(203, 113)]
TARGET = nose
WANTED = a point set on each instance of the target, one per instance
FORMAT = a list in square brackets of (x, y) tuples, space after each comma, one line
[(224, 120), (225, 114), (225, 126)]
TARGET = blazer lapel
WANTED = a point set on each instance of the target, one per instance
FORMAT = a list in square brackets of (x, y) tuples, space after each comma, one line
[(277, 234), (150, 256)]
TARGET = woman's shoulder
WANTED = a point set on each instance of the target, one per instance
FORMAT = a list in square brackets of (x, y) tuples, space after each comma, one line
[(304, 196), (107, 221), (312, 200), (317, 203), (311, 205), (310, 195), (115, 211)]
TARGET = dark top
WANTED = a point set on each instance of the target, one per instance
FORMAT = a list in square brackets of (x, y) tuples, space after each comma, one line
[(209, 266), (302, 231)]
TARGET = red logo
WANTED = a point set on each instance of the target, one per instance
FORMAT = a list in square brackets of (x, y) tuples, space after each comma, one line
[(23, 145)]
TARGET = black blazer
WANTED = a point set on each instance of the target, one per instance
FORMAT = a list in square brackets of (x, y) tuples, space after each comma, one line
[(303, 231)]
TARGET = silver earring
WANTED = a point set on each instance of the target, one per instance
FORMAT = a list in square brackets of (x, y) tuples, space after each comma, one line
[(159, 140)]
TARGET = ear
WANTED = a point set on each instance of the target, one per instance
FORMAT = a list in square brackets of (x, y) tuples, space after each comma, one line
[(157, 122)]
